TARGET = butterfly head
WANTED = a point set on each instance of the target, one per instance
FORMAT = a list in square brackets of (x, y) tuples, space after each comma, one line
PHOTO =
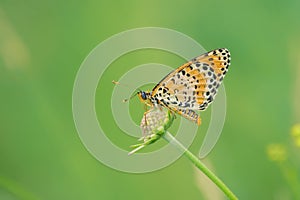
[(144, 96)]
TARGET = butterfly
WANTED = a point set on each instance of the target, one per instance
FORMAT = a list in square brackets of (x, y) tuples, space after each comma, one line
[(192, 86)]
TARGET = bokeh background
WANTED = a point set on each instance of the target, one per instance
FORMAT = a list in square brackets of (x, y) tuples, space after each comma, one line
[(43, 43)]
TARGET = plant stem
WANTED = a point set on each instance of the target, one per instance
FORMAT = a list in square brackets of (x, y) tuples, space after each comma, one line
[(169, 138)]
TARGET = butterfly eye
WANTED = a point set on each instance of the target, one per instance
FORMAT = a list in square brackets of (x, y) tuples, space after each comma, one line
[(143, 95)]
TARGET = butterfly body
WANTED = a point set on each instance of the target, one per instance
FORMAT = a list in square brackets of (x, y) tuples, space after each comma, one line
[(190, 87)]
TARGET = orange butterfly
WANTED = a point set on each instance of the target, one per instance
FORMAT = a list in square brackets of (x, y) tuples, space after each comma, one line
[(192, 86)]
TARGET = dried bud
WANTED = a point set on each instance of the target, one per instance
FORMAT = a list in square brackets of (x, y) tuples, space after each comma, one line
[(153, 125)]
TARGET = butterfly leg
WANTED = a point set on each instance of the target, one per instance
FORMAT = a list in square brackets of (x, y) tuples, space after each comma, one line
[(173, 113), (145, 117), (145, 113)]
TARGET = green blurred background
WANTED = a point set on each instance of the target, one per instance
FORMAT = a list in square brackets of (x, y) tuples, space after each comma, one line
[(43, 43)]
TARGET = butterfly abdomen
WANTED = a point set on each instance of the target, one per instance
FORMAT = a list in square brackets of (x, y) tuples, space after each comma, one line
[(190, 115)]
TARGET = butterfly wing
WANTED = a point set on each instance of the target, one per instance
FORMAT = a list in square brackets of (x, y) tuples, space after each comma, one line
[(193, 85)]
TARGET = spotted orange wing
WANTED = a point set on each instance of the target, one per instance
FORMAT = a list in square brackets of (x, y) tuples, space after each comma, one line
[(193, 86)]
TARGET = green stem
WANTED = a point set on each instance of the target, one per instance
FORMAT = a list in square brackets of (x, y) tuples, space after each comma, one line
[(169, 137)]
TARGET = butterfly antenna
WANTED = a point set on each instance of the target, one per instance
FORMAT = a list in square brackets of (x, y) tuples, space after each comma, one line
[(127, 86), (125, 100)]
